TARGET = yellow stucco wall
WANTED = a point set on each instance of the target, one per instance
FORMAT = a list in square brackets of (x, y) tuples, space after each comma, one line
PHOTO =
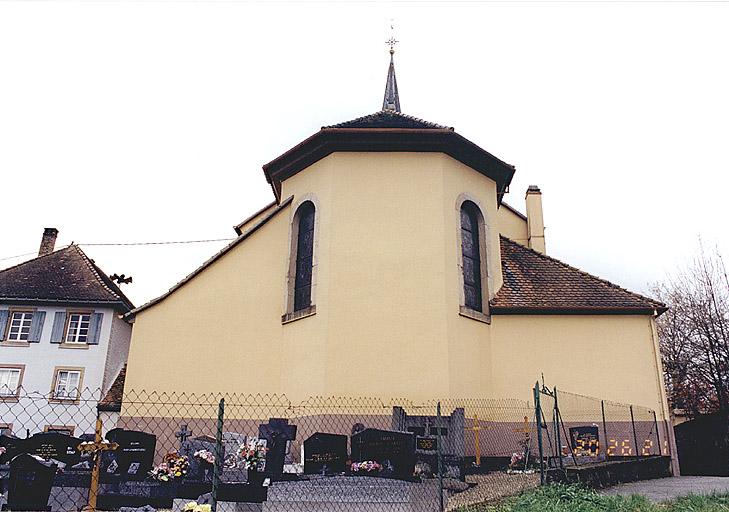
[(512, 226), (387, 292)]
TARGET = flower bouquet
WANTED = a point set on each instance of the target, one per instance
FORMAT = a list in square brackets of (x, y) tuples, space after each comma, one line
[(205, 456), (173, 466), (251, 454), (193, 506), (368, 466)]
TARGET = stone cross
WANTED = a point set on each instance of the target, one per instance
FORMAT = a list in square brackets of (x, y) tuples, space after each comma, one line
[(183, 433), (277, 432), (95, 448)]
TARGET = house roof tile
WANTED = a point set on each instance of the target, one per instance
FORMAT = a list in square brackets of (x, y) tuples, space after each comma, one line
[(538, 284)]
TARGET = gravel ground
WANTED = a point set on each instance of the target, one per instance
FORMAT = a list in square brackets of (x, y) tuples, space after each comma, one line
[(492, 487)]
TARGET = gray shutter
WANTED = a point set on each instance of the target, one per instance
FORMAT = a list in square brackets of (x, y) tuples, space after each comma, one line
[(3, 322), (95, 328), (59, 322), (36, 326)]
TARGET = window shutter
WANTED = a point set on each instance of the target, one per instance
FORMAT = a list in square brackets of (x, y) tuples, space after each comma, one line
[(59, 322), (36, 326), (95, 328), (3, 322)]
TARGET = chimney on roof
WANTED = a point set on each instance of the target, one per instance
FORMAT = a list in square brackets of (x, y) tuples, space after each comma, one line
[(48, 242), (535, 219)]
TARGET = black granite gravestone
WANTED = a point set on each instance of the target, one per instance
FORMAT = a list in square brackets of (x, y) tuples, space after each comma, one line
[(394, 450), (133, 459), (56, 446), (585, 440), (31, 479), (277, 432), (325, 454)]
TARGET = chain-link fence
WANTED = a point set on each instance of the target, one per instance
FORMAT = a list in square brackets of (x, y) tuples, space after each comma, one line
[(579, 430), (269, 453)]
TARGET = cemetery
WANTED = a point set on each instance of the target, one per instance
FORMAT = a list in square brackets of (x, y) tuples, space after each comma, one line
[(399, 457)]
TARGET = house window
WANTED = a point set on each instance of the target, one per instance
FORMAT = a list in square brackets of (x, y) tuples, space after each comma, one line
[(10, 380), (59, 429), (304, 256), (67, 383), (6, 429), (471, 253), (19, 326), (77, 330)]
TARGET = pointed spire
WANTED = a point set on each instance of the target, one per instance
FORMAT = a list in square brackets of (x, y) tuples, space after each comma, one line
[(392, 98)]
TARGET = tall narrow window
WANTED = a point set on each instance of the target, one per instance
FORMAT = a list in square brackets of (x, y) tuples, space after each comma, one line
[(304, 256), (471, 256)]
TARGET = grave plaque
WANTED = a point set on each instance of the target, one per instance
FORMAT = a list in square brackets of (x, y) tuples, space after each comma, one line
[(426, 444), (31, 479), (277, 432), (325, 454), (133, 459), (56, 446), (394, 450), (585, 440)]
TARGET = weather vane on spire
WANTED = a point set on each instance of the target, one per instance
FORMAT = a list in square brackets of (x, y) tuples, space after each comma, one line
[(392, 41)]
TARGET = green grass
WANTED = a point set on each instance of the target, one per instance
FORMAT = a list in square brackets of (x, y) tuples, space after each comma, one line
[(573, 498)]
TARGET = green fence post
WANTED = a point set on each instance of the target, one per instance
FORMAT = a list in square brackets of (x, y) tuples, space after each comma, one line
[(557, 436), (604, 429), (440, 462), (538, 414), (658, 435), (635, 435), (218, 454)]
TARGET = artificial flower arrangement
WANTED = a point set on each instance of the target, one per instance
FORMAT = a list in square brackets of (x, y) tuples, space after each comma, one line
[(173, 466), (250, 454), (205, 456), (196, 507), (368, 466)]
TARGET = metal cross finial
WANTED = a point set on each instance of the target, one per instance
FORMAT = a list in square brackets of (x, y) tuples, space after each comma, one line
[(392, 41)]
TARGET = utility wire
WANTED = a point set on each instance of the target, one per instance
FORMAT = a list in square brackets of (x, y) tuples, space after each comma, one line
[(109, 244)]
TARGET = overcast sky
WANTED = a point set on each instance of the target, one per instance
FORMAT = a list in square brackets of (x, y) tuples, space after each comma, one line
[(134, 121)]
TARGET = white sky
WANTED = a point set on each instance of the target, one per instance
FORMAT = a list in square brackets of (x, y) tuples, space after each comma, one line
[(133, 121)]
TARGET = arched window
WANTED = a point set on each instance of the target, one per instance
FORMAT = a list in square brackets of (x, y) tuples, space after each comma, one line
[(304, 256), (471, 253)]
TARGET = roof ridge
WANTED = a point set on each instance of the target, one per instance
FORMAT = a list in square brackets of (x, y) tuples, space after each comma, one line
[(36, 258), (389, 113), (602, 280)]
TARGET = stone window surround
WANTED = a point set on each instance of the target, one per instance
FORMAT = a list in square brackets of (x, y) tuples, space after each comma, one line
[(52, 397), (290, 315), (484, 243), (21, 367), (69, 429), (6, 428), (67, 326)]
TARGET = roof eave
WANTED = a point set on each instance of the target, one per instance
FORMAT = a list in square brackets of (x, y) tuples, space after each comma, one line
[(430, 140), (528, 310)]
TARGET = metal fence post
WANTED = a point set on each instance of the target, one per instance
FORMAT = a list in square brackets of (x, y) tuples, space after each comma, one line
[(440, 461), (218, 454), (604, 429), (635, 435), (658, 435), (538, 414), (557, 436)]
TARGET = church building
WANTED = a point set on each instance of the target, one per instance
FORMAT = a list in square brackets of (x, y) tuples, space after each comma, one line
[(389, 265)]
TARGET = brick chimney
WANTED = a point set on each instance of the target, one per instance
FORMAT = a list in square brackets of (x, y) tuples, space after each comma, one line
[(535, 219), (48, 242)]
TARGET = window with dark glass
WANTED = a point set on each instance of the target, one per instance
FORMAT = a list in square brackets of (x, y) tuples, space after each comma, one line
[(471, 257), (304, 257)]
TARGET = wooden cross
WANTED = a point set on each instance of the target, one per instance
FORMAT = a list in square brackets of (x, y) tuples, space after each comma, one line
[(183, 433), (476, 429), (95, 448), (525, 429)]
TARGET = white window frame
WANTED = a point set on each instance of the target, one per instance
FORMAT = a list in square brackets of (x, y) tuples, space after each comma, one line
[(16, 333), (11, 393), (58, 380), (74, 333)]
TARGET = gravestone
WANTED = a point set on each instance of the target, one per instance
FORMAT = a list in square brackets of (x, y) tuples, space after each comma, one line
[(199, 470), (55, 446), (134, 457), (231, 442), (277, 433), (394, 450), (31, 479), (13, 446), (426, 429), (325, 454), (585, 440)]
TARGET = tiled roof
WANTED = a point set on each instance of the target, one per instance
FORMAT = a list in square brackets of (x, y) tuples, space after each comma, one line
[(112, 401), (65, 275), (389, 119), (536, 283)]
